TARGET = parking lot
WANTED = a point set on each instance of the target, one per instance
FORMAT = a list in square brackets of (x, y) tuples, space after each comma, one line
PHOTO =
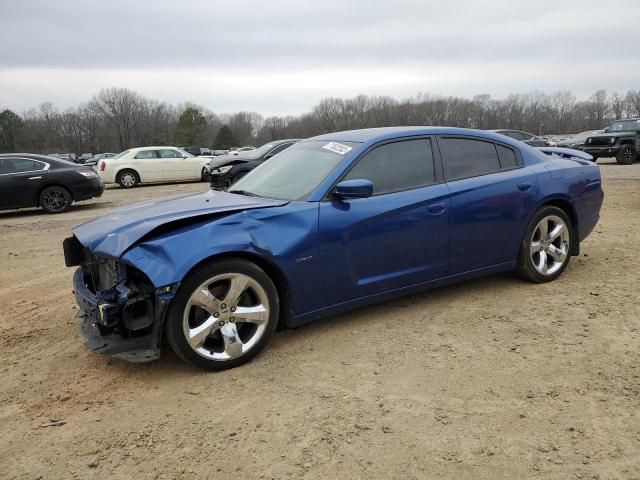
[(493, 378)]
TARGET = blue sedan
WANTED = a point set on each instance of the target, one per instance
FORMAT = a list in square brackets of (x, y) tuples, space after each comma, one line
[(332, 223)]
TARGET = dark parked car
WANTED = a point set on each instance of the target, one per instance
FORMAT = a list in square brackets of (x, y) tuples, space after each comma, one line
[(332, 223), (578, 139), (197, 151), (225, 170), (621, 140), (525, 137), (28, 180), (96, 158)]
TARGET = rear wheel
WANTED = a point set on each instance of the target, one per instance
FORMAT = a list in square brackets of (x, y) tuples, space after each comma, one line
[(223, 315), (55, 199), (626, 156), (128, 178), (545, 250)]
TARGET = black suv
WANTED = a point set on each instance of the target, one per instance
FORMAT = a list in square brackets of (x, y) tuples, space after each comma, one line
[(227, 169), (620, 140)]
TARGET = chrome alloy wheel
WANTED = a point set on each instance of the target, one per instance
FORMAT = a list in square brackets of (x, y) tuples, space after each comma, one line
[(128, 179), (549, 248), (226, 316), (628, 154)]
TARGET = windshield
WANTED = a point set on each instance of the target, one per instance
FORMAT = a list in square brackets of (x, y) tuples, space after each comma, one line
[(185, 154), (280, 178), (121, 154), (624, 126), (258, 152)]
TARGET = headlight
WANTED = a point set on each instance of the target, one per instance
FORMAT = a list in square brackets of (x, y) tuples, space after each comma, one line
[(613, 140), (221, 170), (90, 174)]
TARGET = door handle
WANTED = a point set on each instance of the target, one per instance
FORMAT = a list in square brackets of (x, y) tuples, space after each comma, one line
[(34, 178), (436, 208), (525, 186)]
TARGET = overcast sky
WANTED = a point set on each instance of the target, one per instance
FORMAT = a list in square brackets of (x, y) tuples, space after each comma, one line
[(282, 56)]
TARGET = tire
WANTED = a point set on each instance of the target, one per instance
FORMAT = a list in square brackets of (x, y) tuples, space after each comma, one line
[(128, 178), (543, 258), (626, 155), (205, 321), (55, 199)]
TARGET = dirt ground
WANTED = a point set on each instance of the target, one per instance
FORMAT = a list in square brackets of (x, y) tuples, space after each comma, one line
[(489, 379)]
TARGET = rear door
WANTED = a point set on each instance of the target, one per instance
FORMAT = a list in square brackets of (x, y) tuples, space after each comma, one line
[(395, 238), (20, 181), (491, 197), (148, 165)]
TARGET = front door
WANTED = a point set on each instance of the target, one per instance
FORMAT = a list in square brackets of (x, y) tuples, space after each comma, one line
[(176, 167), (395, 238)]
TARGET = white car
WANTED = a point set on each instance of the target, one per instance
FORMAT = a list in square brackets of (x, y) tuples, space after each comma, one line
[(151, 164)]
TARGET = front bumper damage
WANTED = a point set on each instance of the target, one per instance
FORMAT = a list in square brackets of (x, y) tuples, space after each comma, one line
[(122, 318), (220, 181)]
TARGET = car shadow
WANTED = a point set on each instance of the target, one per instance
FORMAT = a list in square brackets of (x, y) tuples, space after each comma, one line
[(33, 212), (372, 316)]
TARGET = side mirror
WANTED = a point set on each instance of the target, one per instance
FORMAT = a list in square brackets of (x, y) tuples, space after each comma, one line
[(184, 156), (358, 188)]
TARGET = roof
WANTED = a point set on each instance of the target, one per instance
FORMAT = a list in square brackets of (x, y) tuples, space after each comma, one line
[(152, 147), (372, 135), (35, 156)]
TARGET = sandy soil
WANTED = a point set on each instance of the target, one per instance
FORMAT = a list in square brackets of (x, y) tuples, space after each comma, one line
[(494, 378)]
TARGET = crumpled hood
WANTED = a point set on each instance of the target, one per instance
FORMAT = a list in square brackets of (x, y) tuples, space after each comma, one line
[(225, 160), (116, 232)]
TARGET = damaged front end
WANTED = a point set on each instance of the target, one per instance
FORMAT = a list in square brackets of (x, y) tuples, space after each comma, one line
[(122, 312)]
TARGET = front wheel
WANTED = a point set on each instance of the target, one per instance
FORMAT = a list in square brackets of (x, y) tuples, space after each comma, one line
[(545, 250), (626, 155), (223, 315)]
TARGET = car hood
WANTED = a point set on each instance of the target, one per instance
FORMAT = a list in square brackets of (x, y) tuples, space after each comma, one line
[(116, 232), (223, 160), (615, 134), (567, 143)]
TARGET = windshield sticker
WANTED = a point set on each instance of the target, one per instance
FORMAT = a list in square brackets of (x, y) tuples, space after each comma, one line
[(337, 148)]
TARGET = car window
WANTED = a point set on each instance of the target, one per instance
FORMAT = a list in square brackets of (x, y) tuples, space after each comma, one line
[(396, 166), (145, 155), (19, 165), (508, 158), (514, 134), (168, 153), (278, 149), (463, 157)]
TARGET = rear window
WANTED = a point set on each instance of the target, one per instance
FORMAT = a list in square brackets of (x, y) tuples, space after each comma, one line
[(464, 157), (146, 155), (508, 158), (19, 165)]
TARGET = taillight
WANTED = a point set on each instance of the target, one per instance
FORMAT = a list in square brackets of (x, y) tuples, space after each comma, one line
[(546, 143), (102, 166)]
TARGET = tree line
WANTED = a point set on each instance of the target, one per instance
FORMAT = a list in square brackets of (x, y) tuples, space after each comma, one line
[(115, 119)]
